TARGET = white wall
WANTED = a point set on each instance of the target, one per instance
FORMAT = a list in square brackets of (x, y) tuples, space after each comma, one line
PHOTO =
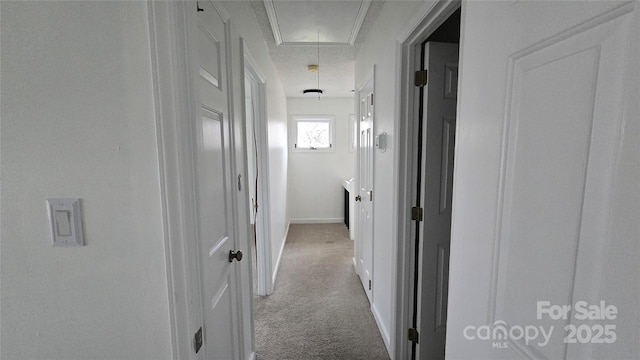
[(78, 121), (380, 49), (315, 178)]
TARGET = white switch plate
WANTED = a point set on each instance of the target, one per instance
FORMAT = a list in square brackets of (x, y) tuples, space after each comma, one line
[(65, 219), (381, 141)]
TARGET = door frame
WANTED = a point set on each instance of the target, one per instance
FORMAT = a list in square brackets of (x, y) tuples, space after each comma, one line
[(171, 38), (251, 70), (429, 19), (171, 67)]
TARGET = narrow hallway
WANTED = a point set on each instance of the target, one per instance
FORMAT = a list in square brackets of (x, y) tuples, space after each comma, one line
[(318, 309)]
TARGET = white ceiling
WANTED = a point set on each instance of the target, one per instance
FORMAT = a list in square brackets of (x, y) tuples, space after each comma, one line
[(291, 32), (307, 22)]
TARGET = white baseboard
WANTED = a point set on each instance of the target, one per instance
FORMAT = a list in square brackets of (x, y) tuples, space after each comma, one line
[(384, 332), (284, 241), (318, 221), (355, 264)]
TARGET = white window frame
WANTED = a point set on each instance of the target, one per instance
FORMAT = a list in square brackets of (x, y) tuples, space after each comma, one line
[(295, 119)]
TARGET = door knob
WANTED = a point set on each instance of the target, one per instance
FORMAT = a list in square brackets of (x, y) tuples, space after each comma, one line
[(235, 255)]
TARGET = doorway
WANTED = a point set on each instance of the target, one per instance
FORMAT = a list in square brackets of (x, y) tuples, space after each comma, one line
[(257, 174), (437, 80), (363, 252), (252, 177), (430, 94), (436, 124)]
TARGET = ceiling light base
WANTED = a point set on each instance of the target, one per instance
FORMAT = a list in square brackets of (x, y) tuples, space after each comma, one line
[(312, 92)]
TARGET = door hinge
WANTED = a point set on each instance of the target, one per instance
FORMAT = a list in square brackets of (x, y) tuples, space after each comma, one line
[(369, 284), (413, 335), (197, 340), (371, 99), (421, 78), (371, 195), (416, 213)]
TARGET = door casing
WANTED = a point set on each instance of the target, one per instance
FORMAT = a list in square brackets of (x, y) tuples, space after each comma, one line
[(430, 18)]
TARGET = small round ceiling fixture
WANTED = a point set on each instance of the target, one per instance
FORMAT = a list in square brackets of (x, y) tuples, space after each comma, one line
[(312, 92), (314, 68)]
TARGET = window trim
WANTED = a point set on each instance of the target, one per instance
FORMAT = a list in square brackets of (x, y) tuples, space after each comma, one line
[(295, 119)]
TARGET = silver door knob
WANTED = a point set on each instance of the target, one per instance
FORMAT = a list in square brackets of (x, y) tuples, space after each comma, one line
[(235, 255)]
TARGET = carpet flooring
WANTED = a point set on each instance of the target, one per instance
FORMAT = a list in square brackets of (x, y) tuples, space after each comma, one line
[(318, 309)]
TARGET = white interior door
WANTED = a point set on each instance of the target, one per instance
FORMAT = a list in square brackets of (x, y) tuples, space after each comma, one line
[(216, 236), (365, 188), (548, 97), (438, 134)]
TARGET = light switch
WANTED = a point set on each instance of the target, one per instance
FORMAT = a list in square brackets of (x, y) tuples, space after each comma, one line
[(65, 219), (63, 222), (381, 141)]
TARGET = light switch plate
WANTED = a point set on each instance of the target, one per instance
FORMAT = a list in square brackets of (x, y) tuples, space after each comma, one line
[(381, 141), (65, 220)]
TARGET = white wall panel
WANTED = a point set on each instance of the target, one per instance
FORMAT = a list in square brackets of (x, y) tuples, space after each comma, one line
[(78, 121)]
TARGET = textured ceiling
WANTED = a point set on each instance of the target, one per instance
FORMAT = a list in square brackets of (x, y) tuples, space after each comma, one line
[(336, 61)]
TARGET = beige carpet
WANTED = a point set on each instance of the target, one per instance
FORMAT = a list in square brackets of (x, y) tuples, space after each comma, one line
[(318, 309)]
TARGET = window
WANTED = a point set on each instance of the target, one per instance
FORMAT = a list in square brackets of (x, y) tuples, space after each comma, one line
[(313, 133)]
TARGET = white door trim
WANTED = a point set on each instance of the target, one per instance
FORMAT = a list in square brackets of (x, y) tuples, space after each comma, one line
[(426, 21), (171, 67), (263, 218)]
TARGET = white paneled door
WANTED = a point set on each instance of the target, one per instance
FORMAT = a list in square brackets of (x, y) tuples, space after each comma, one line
[(438, 134), (365, 188), (216, 238), (545, 109)]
